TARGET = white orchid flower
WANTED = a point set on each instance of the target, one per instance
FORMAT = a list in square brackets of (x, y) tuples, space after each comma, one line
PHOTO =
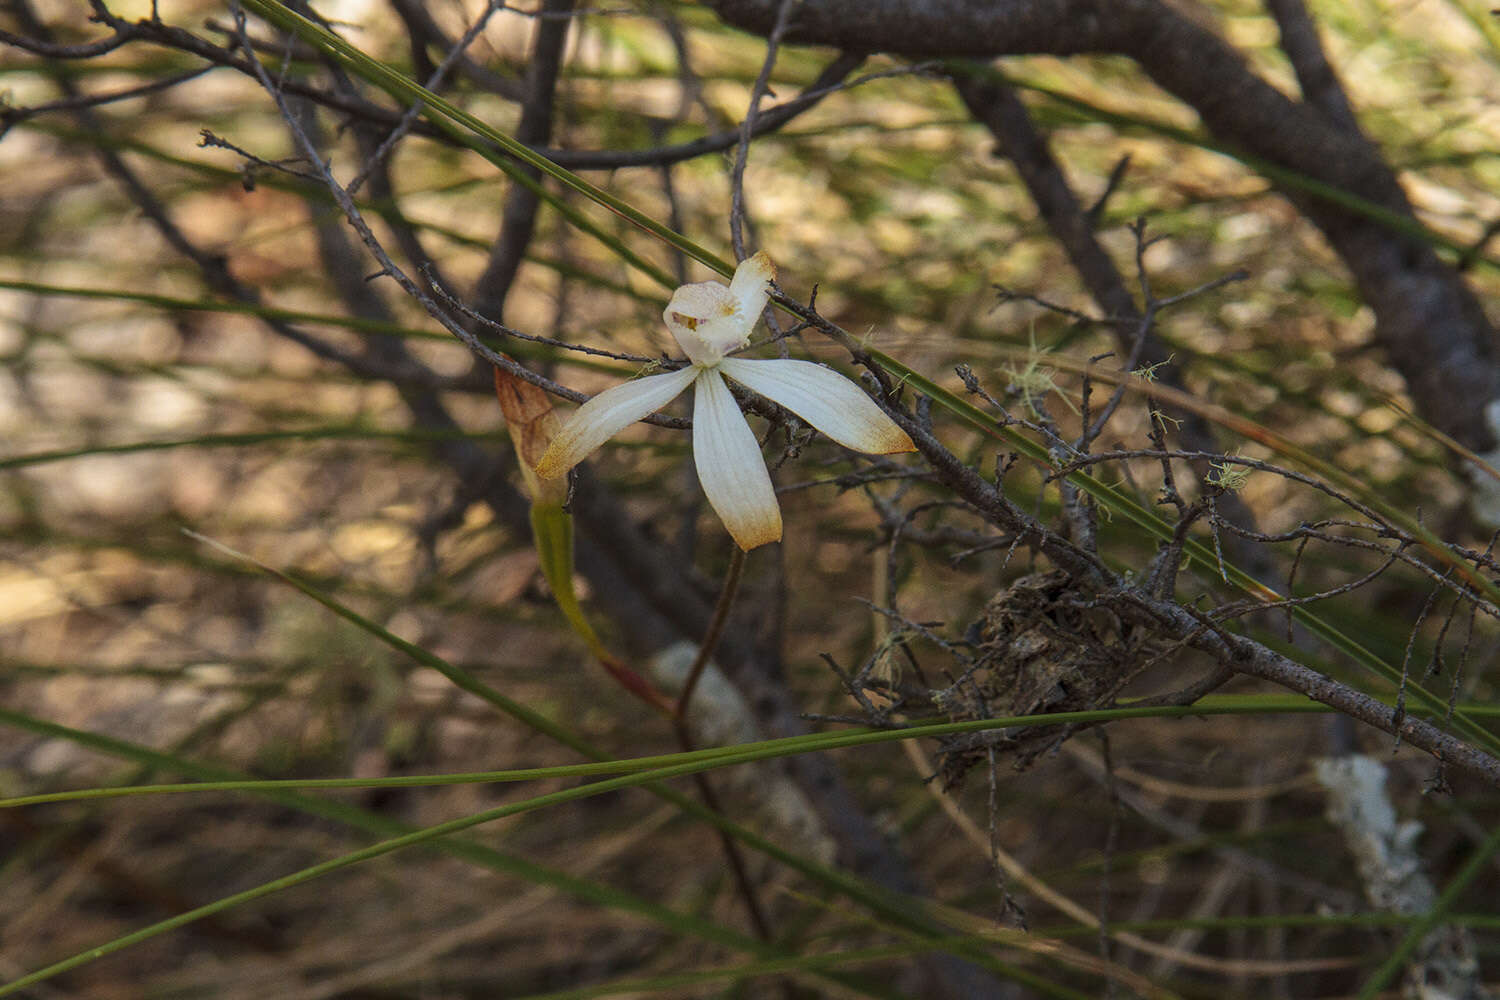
[(709, 320)]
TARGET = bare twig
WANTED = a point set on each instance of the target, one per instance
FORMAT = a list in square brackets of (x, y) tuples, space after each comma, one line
[(434, 83), (742, 151)]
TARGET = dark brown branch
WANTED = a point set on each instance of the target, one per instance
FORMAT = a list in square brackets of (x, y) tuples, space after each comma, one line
[(9, 116), (829, 81), (936, 28), (1248, 657), (518, 224), (995, 104), (425, 33), (53, 50), (1315, 75)]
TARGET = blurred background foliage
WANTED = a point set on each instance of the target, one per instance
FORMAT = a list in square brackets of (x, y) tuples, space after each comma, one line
[(134, 404)]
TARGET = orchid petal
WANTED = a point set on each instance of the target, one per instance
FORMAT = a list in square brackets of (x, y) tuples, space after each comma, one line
[(608, 413), (751, 287), (825, 399), (706, 321), (710, 320), (730, 466)]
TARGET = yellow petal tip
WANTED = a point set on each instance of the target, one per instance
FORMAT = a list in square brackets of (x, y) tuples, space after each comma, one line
[(549, 466), (758, 266), (757, 539), (891, 441)]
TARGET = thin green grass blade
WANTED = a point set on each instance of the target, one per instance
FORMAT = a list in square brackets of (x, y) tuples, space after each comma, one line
[(759, 750), (174, 304), (703, 762), (887, 905), (1315, 921), (736, 973), (907, 913), (520, 348), (216, 176), (377, 850), (249, 438), (692, 926), (426, 835), (460, 678)]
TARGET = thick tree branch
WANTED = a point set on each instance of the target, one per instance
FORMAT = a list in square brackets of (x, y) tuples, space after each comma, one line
[(1315, 74)]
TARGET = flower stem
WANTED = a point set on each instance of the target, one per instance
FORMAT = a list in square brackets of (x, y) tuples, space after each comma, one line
[(715, 629), (732, 853)]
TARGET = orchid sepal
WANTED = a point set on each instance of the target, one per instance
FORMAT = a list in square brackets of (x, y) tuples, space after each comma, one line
[(730, 465), (825, 399), (608, 413)]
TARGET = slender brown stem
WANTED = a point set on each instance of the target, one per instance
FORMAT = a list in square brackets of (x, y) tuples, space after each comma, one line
[(732, 853), (685, 739), (715, 629)]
